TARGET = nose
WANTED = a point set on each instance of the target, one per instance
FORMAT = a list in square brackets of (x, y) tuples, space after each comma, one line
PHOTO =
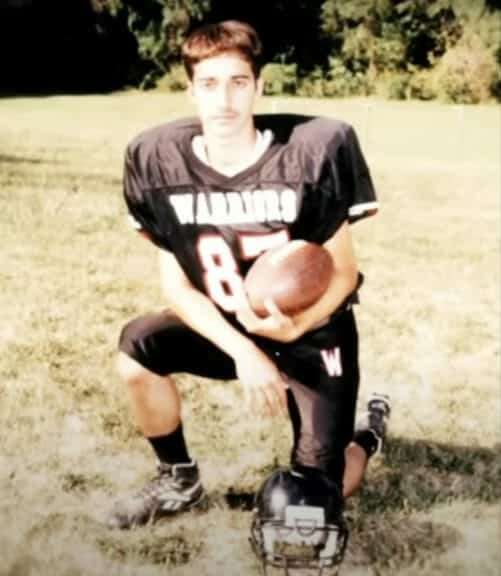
[(223, 95)]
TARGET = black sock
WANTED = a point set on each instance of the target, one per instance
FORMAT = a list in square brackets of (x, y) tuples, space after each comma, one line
[(171, 448), (367, 440)]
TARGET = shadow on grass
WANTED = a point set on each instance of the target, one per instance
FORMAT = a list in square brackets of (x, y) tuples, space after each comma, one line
[(166, 544), (9, 159), (27, 170), (415, 475), (385, 531), (18, 175), (239, 500), (412, 476)]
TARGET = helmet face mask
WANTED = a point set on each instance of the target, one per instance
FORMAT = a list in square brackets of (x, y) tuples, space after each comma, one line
[(298, 523)]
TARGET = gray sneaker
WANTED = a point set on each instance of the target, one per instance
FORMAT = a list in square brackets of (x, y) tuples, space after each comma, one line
[(175, 488), (375, 419)]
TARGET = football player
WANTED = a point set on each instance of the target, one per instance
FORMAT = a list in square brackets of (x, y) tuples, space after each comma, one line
[(213, 193)]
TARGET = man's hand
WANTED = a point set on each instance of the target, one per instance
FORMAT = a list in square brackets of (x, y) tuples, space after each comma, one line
[(276, 326), (264, 386)]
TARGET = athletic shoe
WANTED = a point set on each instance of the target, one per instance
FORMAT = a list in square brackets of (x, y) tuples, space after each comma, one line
[(174, 489), (375, 419)]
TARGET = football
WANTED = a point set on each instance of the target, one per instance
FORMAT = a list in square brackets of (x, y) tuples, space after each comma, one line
[(294, 275)]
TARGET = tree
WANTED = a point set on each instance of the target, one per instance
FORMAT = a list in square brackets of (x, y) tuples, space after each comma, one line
[(288, 29), (406, 31), (159, 27), (62, 46)]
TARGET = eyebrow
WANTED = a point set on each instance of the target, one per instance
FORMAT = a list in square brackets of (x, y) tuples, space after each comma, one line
[(233, 77)]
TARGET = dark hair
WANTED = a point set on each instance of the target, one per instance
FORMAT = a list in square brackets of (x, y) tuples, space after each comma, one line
[(214, 39)]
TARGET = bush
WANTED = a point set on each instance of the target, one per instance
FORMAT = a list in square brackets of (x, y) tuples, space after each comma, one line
[(388, 54), (393, 85), (279, 78), (357, 47), (312, 86), (341, 81), (175, 80), (422, 85), (467, 73)]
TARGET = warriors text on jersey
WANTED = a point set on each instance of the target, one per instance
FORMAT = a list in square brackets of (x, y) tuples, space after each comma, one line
[(310, 180)]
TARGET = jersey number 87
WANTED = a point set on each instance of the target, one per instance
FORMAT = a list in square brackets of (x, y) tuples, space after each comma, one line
[(223, 282)]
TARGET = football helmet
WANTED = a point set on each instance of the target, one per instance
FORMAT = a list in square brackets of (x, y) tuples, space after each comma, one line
[(298, 522)]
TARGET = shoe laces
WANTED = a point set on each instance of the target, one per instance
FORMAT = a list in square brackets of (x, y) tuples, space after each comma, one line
[(163, 479)]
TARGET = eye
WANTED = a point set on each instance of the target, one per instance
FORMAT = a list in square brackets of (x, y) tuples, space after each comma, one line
[(208, 84), (240, 82)]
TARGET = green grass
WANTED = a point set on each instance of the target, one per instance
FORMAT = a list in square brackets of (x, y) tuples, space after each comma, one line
[(73, 273)]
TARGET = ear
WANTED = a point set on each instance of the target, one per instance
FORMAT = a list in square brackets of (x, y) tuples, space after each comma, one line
[(259, 86), (189, 90)]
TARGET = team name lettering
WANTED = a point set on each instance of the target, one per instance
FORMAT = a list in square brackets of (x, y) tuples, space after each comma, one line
[(251, 206), (332, 361)]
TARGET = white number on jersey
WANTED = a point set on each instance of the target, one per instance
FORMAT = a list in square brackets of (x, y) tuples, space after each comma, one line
[(223, 282)]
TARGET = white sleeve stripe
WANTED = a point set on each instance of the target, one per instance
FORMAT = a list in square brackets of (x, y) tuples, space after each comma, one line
[(133, 222), (359, 209)]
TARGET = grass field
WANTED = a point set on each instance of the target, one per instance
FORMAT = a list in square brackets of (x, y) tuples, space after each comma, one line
[(72, 273)]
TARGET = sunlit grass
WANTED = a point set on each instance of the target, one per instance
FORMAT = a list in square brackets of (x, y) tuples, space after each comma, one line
[(73, 273)]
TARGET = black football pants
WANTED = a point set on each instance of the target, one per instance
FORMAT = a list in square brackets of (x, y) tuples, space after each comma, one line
[(322, 367)]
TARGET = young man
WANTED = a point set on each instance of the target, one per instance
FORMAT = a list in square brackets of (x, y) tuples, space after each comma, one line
[(212, 194)]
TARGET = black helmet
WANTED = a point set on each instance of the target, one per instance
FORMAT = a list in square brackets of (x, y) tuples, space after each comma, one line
[(298, 521)]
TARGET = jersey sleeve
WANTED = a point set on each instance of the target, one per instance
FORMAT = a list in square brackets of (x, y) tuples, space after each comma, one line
[(141, 216), (354, 179), (346, 192)]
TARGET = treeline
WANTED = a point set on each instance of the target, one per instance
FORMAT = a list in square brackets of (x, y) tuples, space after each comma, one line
[(49, 46), (425, 49)]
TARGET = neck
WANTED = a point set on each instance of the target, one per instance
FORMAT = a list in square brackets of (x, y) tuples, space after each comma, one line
[(227, 151)]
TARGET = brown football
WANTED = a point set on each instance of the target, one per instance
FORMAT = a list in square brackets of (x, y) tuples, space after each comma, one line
[(294, 275)]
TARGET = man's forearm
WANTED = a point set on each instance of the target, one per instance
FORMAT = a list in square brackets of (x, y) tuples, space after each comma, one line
[(340, 288), (200, 314), (343, 282)]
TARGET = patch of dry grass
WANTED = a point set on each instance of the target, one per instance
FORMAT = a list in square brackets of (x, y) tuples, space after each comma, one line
[(73, 273)]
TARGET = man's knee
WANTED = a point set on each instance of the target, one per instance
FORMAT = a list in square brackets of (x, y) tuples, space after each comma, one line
[(130, 336), (147, 338), (137, 347), (130, 371)]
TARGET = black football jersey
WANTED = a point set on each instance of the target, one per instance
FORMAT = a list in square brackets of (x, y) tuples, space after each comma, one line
[(311, 179)]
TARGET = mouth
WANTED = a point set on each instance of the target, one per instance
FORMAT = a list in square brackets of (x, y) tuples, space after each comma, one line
[(224, 117)]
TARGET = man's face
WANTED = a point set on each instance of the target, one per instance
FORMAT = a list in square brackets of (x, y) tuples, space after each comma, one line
[(224, 91)]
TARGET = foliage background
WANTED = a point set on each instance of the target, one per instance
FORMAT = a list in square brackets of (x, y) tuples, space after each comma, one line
[(401, 49)]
